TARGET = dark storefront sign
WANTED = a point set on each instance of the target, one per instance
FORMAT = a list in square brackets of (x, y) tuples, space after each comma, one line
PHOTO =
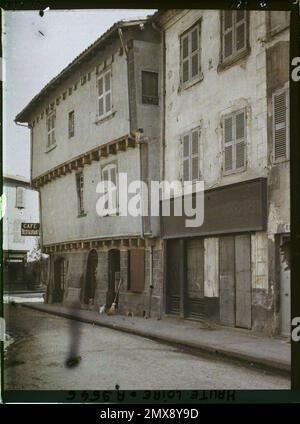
[(229, 209), (30, 229)]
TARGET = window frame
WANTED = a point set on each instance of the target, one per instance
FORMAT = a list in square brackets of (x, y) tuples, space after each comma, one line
[(51, 131), (236, 54), (276, 30), (234, 142), (108, 167), (104, 94), (191, 155), (71, 134), (287, 133), (187, 34), (148, 71)]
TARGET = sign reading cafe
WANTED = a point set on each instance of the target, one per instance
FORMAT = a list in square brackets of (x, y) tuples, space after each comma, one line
[(30, 229)]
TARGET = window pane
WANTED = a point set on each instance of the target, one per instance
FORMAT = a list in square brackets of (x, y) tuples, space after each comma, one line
[(107, 82), (185, 71), (100, 86), (195, 39), (195, 168), (195, 143), (228, 130), (228, 19), (186, 146), (240, 132), (101, 109), (240, 37), (107, 103), (149, 87), (228, 44), (186, 173), (185, 46), (195, 65)]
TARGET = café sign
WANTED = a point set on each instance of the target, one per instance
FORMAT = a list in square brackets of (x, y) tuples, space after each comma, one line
[(30, 229)]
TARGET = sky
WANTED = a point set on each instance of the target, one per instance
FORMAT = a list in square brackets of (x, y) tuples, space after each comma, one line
[(36, 49)]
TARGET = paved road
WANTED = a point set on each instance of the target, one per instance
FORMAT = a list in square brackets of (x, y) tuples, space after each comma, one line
[(36, 360)]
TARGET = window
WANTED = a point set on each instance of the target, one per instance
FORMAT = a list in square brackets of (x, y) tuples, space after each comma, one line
[(71, 124), (136, 270), (234, 33), (191, 150), (190, 54), (51, 130), (20, 197), (109, 174), (104, 94), (80, 187), (280, 125), (278, 20), (234, 130), (150, 88)]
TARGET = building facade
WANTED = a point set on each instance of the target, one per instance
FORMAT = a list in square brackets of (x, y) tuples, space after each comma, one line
[(225, 121), (98, 119), (22, 206)]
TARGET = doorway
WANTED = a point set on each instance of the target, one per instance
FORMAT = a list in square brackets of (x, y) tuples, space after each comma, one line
[(113, 268), (59, 280), (173, 261), (235, 280), (90, 279), (285, 286)]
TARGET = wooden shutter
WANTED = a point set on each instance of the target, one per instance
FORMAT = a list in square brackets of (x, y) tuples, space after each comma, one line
[(228, 144), (280, 118), (240, 30), (240, 146), (228, 33), (137, 270), (107, 92), (194, 42), (186, 157), (20, 195), (185, 58)]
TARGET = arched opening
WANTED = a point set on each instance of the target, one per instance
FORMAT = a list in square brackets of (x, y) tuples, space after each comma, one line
[(59, 280), (113, 268), (90, 279)]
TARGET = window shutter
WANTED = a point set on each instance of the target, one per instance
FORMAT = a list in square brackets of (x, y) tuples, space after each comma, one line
[(137, 270), (186, 158), (185, 58), (228, 141), (280, 125), (227, 33), (195, 52), (20, 197), (240, 140), (240, 30)]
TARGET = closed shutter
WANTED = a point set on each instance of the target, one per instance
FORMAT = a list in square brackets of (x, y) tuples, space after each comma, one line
[(228, 141), (185, 58), (20, 197), (195, 155), (137, 270), (280, 118), (227, 34), (107, 93), (195, 51), (240, 140)]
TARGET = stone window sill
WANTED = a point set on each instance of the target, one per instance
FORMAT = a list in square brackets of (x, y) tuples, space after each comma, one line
[(190, 83), (103, 118), (234, 60), (48, 149)]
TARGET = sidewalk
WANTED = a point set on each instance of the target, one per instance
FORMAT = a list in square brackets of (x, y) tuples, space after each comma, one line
[(271, 354)]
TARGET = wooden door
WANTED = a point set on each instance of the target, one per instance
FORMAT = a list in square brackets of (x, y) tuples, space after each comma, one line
[(195, 279), (227, 280), (243, 281), (173, 261)]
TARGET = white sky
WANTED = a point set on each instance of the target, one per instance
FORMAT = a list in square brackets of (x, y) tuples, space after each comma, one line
[(31, 60)]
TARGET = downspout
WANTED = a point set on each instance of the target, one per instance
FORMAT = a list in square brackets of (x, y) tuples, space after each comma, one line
[(151, 281)]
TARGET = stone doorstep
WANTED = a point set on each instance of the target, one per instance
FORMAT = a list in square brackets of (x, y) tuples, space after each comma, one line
[(274, 365)]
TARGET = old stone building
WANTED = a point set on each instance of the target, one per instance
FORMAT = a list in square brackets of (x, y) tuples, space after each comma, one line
[(95, 120), (225, 121)]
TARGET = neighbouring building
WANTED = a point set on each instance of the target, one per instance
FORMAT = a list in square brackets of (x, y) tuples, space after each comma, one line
[(21, 206), (225, 120), (98, 118)]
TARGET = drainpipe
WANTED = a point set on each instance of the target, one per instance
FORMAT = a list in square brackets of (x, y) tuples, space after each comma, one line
[(151, 281)]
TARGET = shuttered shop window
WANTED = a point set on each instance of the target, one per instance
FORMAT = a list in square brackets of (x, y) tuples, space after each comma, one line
[(190, 155), (234, 127), (280, 125), (234, 33), (137, 270)]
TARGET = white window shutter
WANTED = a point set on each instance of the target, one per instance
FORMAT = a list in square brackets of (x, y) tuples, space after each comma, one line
[(280, 114), (228, 144), (20, 197), (240, 30), (195, 155), (186, 157), (228, 38), (240, 146)]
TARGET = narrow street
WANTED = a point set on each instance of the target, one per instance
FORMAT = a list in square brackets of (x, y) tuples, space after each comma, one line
[(42, 345)]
